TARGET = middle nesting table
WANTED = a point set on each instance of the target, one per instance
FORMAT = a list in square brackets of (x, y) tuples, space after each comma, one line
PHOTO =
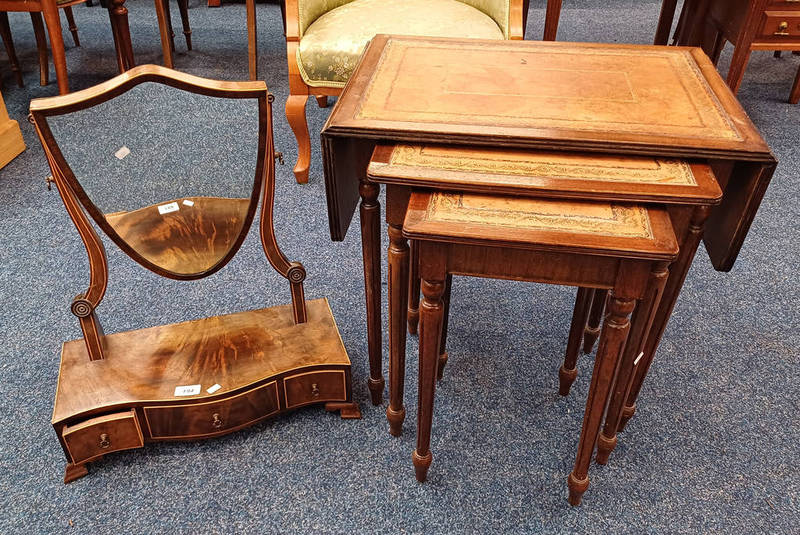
[(688, 188)]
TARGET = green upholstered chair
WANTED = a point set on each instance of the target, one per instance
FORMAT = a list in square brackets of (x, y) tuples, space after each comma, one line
[(325, 39)]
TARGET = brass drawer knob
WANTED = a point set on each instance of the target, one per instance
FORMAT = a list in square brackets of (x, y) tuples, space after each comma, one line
[(216, 422), (105, 442), (314, 390), (783, 28)]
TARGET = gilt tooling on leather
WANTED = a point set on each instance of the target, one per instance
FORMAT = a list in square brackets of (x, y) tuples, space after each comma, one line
[(602, 219), (515, 167), (522, 86)]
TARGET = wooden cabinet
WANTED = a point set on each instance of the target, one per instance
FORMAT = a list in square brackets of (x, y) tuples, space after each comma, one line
[(747, 24), (272, 374)]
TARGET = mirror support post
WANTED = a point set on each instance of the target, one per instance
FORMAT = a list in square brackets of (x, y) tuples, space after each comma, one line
[(293, 271), (84, 304)]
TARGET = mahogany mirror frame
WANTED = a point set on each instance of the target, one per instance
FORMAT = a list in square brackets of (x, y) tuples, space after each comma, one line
[(72, 194), (41, 109)]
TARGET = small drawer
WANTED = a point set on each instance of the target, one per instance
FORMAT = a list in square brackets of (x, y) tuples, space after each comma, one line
[(202, 419), (311, 387), (104, 434), (781, 24)]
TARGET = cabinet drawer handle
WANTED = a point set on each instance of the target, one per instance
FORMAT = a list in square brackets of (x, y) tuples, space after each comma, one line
[(105, 442), (216, 422), (314, 390), (782, 28)]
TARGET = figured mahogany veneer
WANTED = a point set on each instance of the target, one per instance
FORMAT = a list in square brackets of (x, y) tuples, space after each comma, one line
[(192, 420), (92, 438), (264, 363), (190, 240)]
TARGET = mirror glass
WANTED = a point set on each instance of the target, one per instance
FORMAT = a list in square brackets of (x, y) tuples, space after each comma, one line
[(171, 173)]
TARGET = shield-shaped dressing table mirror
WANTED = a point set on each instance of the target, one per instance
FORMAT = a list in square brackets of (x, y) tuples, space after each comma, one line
[(136, 160)]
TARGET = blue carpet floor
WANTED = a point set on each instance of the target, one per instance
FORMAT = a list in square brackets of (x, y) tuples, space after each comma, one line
[(713, 448)]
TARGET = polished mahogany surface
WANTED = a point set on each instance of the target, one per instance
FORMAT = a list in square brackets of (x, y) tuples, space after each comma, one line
[(191, 239), (235, 350), (539, 92)]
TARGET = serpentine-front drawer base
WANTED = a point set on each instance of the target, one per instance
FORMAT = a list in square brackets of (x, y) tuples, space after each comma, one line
[(197, 379)]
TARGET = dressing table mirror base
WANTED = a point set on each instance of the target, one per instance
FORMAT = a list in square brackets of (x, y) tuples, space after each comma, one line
[(238, 369)]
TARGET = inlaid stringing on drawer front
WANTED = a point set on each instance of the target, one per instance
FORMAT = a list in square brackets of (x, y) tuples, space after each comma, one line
[(328, 378), (230, 421), (98, 436)]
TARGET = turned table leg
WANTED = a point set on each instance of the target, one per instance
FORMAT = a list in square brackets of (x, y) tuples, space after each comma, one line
[(640, 325), (252, 41), (53, 24), (448, 283), (183, 7), (163, 29), (370, 211), (413, 290), (677, 275), (592, 332), (398, 302), (612, 342), (118, 14), (170, 30), (568, 372), (431, 316), (73, 28), (551, 17), (41, 47)]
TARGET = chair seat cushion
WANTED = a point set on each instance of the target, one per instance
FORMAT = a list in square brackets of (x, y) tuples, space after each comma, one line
[(332, 45)]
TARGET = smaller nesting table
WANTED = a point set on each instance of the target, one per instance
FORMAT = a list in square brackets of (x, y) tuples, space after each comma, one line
[(625, 248)]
